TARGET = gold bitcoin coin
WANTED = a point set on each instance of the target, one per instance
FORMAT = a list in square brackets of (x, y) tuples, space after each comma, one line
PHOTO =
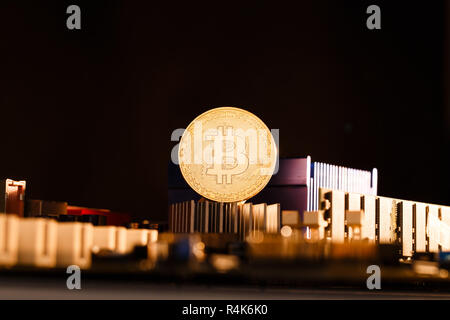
[(227, 154)]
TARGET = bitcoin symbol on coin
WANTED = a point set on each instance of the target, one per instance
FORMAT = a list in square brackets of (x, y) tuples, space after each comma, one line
[(230, 165), (227, 154)]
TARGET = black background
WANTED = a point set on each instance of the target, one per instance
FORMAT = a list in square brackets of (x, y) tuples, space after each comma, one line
[(87, 114)]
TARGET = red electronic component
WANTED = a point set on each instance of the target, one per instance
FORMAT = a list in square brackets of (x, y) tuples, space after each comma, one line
[(112, 218)]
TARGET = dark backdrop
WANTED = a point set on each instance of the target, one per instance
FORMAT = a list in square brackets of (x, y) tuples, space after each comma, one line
[(87, 115)]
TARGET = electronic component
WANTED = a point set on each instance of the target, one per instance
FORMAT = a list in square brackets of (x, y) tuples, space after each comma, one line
[(41, 208), (139, 237), (273, 218), (37, 242), (316, 222), (215, 217), (41, 242), (12, 196), (9, 239), (417, 227), (109, 238), (112, 218), (291, 218), (354, 220), (74, 246)]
